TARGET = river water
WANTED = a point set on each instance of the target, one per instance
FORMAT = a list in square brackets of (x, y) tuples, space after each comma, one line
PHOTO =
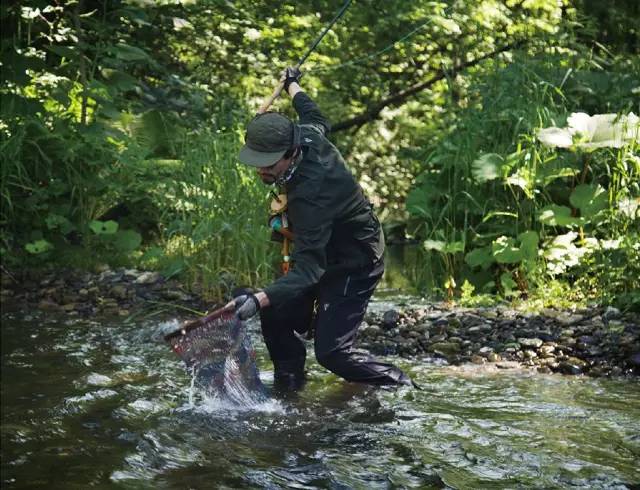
[(106, 405)]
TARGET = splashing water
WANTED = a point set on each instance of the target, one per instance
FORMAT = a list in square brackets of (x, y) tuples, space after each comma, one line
[(221, 359)]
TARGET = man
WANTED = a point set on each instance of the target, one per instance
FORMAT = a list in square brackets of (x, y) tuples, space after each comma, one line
[(337, 248)]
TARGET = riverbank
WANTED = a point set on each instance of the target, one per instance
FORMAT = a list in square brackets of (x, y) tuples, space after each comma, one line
[(596, 342)]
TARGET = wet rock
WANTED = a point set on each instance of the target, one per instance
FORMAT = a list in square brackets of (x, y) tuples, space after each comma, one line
[(547, 350), (530, 343), (494, 357), (48, 305), (507, 365), (446, 349), (566, 367)]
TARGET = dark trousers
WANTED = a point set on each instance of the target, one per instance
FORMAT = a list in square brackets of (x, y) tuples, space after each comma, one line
[(334, 308)]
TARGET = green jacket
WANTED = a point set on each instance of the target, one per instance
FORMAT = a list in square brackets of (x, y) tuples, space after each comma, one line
[(335, 228)]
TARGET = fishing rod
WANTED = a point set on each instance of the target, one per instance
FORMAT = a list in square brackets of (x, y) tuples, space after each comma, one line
[(267, 103)]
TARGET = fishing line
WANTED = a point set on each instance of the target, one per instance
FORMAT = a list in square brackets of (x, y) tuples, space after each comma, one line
[(379, 52)]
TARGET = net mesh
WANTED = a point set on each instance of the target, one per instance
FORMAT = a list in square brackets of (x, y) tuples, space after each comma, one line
[(221, 358)]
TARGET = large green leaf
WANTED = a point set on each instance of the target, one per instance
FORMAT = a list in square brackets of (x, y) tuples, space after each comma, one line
[(39, 246), (103, 227), (480, 257), (127, 240), (128, 53), (487, 167), (505, 251), (529, 245), (555, 215), (589, 199)]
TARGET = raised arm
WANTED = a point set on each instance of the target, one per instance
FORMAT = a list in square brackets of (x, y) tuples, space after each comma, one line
[(308, 111)]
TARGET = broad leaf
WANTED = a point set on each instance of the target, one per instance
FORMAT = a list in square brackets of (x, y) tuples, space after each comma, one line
[(127, 240), (103, 227), (487, 167), (555, 215), (589, 199), (505, 251), (529, 245), (480, 257), (38, 247)]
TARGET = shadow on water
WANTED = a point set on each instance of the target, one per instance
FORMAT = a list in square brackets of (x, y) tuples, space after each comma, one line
[(109, 406)]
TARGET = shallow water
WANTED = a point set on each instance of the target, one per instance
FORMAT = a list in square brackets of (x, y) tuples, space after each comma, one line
[(110, 406)]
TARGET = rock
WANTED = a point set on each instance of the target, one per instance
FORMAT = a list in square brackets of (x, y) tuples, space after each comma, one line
[(175, 294), (566, 367), (634, 360), (507, 365), (531, 343), (494, 357), (569, 318), (547, 350), (390, 319), (119, 291), (478, 359), (485, 351), (529, 354), (611, 313), (439, 338), (147, 278), (48, 305), (544, 370), (69, 307), (83, 292), (445, 349)]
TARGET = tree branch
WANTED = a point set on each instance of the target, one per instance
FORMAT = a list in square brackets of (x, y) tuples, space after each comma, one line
[(399, 98)]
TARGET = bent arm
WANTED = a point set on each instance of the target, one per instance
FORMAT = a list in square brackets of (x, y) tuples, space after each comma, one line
[(308, 110)]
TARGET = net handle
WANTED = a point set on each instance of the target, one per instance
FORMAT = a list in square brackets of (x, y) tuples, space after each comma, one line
[(198, 322)]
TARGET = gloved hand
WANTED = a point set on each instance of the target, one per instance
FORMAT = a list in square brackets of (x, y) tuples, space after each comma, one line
[(246, 306), (290, 75)]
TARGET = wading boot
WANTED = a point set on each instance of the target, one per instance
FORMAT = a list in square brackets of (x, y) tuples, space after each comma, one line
[(288, 375)]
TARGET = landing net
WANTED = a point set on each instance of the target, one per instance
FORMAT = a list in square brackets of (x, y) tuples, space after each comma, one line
[(218, 352)]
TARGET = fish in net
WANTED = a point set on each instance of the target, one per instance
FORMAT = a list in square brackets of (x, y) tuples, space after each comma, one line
[(218, 352)]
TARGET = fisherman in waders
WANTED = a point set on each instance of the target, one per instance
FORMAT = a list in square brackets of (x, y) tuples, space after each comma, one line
[(337, 248)]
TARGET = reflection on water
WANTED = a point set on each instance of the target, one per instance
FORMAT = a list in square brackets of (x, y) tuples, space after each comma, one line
[(107, 405)]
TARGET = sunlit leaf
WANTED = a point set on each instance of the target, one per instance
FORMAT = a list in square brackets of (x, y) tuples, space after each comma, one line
[(554, 215), (103, 227), (487, 167), (589, 199), (505, 251), (38, 247)]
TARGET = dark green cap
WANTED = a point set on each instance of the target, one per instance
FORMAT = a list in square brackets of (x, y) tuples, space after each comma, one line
[(268, 138)]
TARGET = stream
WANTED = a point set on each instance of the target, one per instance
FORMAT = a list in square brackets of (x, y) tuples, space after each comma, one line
[(106, 405)]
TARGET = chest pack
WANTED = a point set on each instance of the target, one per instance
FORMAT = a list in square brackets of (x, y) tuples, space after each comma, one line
[(279, 223)]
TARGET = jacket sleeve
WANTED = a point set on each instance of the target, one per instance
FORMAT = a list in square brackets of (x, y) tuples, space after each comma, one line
[(311, 235), (309, 113)]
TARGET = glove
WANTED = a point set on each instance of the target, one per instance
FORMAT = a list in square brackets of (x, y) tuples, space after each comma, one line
[(290, 75), (246, 306)]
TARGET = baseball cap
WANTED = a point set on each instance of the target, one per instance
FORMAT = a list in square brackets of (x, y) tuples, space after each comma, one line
[(268, 138)]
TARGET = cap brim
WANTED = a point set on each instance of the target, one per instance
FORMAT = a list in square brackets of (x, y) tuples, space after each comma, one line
[(259, 158)]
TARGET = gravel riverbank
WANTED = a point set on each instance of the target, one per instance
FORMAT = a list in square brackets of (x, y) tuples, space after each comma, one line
[(597, 342)]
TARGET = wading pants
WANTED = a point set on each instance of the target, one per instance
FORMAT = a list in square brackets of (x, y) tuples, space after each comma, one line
[(335, 308)]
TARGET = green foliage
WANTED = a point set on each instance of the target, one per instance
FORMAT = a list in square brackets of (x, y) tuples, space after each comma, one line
[(120, 121)]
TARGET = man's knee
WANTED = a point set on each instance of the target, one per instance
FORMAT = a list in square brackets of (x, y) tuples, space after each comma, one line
[(334, 361)]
